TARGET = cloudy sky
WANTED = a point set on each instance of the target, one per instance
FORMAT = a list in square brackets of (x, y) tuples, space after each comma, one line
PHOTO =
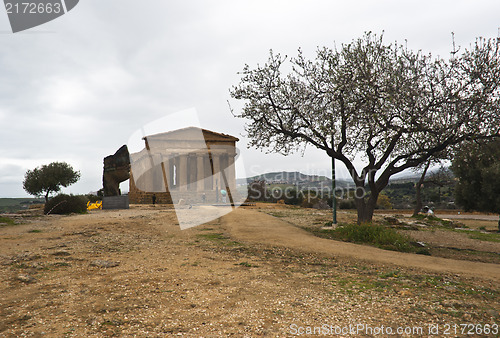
[(76, 88)]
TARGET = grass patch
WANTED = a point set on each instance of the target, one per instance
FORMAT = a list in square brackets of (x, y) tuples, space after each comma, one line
[(35, 231), (436, 221), (390, 274), (488, 237), (376, 235), (277, 214), (4, 221), (213, 236)]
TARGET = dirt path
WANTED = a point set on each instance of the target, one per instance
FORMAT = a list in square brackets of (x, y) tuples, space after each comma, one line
[(256, 227), (468, 216)]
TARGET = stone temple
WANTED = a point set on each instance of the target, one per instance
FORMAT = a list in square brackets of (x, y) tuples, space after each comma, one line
[(190, 164)]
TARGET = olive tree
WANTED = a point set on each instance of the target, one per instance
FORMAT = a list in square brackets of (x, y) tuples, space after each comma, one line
[(49, 179), (384, 103)]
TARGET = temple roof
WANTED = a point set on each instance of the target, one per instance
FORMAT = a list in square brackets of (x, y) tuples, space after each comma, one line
[(191, 133)]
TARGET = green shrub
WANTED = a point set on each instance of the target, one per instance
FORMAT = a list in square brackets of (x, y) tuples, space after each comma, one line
[(379, 236), (293, 197), (92, 198), (66, 204), (347, 204), (6, 221)]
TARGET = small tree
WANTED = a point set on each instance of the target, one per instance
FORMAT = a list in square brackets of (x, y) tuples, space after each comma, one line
[(47, 179), (384, 103), (477, 168)]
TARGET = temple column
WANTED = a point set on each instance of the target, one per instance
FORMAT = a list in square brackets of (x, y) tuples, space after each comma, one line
[(165, 166), (200, 173), (231, 172), (182, 173), (216, 178), (173, 177)]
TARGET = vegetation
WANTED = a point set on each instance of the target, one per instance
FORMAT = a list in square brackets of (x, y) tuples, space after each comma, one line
[(66, 204), (376, 235), (9, 205), (477, 167), (397, 107), (6, 221), (49, 179)]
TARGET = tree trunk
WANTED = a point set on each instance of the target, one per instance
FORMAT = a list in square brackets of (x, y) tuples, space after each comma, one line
[(365, 207), (418, 188), (47, 197)]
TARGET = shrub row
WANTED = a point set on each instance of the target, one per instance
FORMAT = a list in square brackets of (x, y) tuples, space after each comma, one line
[(66, 204)]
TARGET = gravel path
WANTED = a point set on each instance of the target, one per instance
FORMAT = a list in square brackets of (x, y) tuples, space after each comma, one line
[(257, 227)]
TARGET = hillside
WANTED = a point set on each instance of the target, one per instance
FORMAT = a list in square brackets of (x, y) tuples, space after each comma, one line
[(296, 178), (438, 192), (8, 205)]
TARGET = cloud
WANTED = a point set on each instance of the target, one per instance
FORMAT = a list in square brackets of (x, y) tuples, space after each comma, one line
[(76, 88)]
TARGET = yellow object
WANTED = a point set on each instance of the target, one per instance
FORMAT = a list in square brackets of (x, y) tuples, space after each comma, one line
[(93, 206)]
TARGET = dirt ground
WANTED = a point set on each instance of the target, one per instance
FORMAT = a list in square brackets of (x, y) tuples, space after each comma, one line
[(249, 273)]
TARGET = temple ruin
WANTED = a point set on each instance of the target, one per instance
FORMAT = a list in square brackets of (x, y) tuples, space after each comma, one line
[(190, 164)]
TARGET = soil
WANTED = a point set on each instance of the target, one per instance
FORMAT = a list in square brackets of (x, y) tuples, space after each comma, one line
[(135, 273)]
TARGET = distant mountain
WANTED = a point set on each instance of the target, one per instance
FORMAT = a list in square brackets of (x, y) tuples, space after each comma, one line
[(294, 178), (304, 180)]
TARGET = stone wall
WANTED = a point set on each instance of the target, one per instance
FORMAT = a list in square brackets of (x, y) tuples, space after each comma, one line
[(115, 202), (137, 196)]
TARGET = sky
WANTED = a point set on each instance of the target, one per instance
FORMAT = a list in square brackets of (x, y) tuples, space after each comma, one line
[(75, 89)]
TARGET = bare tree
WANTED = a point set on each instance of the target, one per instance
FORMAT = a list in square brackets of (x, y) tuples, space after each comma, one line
[(393, 107)]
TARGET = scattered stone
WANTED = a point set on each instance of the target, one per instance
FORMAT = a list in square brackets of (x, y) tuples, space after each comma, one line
[(37, 265), (392, 220), (61, 253), (493, 313), (418, 244), (25, 278), (104, 264), (321, 205)]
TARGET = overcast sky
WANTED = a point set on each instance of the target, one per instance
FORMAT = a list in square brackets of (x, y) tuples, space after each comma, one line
[(75, 89)]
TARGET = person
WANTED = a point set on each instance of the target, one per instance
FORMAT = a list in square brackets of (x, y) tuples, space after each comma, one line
[(203, 198), (154, 199), (224, 195)]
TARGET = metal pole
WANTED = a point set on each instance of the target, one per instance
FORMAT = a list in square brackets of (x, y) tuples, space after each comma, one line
[(334, 200)]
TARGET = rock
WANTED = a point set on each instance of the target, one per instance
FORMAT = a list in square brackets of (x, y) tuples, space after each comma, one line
[(418, 244), (61, 253), (321, 204), (104, 264), (392, 220), (493, 313), (181, 202), (25, 278)]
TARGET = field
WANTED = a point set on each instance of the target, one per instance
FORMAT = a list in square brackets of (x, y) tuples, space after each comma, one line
[(255, 272), (16, 204)]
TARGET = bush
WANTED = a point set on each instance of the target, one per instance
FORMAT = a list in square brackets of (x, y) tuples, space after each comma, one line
[(383, 202), (293, 197), (379, 236), (347, 204), (93, 198), (66, 204), (257, 191)]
